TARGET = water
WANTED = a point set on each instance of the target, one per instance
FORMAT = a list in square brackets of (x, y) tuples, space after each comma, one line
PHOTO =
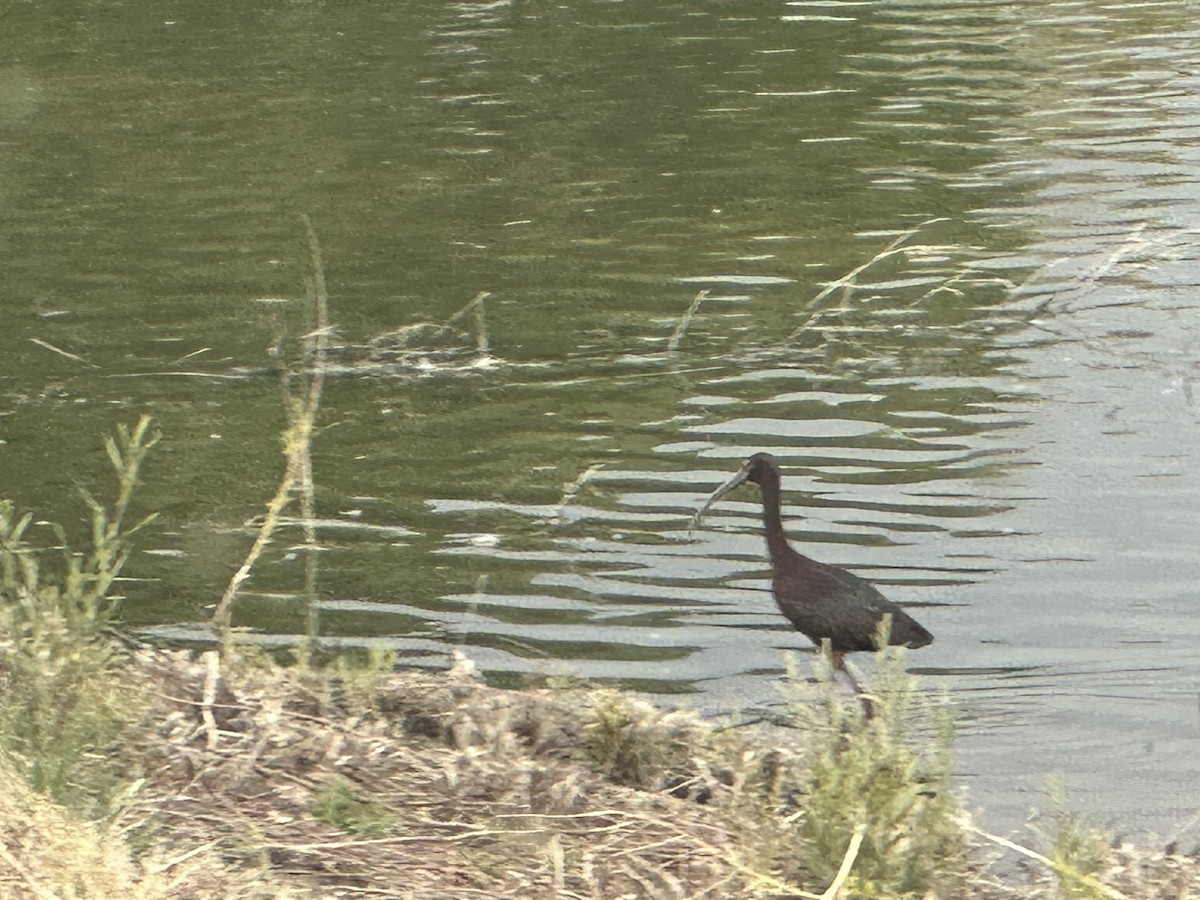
[(948, 256)]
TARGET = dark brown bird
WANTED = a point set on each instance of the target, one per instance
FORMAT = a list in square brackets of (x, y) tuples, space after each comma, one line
[(823, 602)]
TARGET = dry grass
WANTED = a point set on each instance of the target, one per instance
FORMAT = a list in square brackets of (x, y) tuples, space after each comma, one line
[(46, 852), (483, 791), (259, 781)]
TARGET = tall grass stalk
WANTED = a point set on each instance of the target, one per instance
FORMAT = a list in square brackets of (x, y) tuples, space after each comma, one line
[(62, 708), (302, 408)]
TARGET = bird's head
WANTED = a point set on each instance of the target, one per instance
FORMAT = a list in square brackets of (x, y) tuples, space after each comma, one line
[(759, 468)]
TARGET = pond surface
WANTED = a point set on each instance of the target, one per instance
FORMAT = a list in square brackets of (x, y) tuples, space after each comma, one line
[(939, 258)]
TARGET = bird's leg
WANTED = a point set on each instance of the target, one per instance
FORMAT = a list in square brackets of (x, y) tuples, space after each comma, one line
[(839, 663)]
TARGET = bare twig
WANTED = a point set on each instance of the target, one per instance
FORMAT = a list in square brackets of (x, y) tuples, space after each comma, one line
[(221, 615), (682, 327), (846, 282), (843, 871), (212, 675), (49, 346), (316, 350), (572, 488), (476, 306)]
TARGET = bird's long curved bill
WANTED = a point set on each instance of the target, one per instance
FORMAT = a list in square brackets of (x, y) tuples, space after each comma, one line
[(738, 479)]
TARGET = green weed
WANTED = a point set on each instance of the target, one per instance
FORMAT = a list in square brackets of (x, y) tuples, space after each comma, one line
[(338, 806), (878, 776), (362, 676), (1079, 851), (63, 708)]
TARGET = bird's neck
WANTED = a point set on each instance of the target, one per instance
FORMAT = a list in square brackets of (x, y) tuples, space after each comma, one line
[(777, 543)]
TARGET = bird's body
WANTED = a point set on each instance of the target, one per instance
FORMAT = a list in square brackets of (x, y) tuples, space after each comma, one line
[(828, 603), (823, 602)]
